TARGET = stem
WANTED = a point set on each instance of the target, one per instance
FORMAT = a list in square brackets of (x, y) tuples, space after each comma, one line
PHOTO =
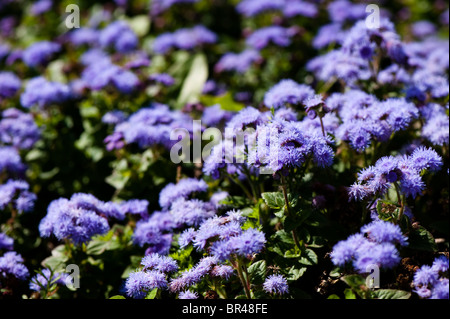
[(244, 282), (238, 182), (288, 210), (401, 201), (321, 125)]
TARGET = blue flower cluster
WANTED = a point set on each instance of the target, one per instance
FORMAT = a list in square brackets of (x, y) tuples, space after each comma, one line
[(375, 245), (431, 282)]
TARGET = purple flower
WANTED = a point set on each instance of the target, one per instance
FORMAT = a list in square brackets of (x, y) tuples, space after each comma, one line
[(184, 39), (190, 212), (41, 6), (276, 284), (77, 219), (84, 36), (238, 62), (9, 85), (294, 8), (426, 158), (277, 35), (41, 92), (183, 189), (287, 92), (40, 53), (11, 265), (18, 129), (119, 36), (10, 161), (17, 194), (160, 263), (139, 283), (384, 232), (187, 295), (250, 8), (6, 242), (159, 6), (163, 78)]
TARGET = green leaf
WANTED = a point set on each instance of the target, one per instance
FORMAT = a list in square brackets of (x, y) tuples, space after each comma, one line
[(274, 199), (333, 296), (257, 272), (285, 237), (308, 257), (225, 101), (354, 281), (349, 294), (117, 297), (295, 273), (390, 294), (152, 294), (97, 247), (422, 239), (194, 82)]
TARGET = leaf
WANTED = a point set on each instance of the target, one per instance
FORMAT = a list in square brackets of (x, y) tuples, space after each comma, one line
[(257, 272), (285, 237), (422, 239), (391, 294), (152, 294), (308, 257), (97, 247), (117, 297), (295, 273), (194, 82), (333, 296), (354, 281), (274, 199), (349, 294), (225, 101)]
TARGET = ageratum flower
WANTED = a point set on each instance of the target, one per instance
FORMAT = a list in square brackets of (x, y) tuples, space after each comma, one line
[(378, 248), (431, 282), (184, 39), (18, 129), (6, 242), (187, 295), (149, 126), (40, 53), (160, 263), (120, 36), (238, 62), (11, 266), (183, 189), (10, 161), (39, 91), (16, 194), (83, 36), (80, 218), (139, 283), (287, 91), (276, 284), (9, 85), (159, 6), (277, 35), (293, 8)]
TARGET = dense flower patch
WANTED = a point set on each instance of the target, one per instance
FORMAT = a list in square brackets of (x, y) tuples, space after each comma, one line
[(200, 149)]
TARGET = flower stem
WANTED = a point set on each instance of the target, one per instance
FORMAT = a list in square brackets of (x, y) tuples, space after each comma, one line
[(288, 210)]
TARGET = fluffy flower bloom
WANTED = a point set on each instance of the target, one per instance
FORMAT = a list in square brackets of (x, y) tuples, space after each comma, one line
[(18, 129), (40, 53), (183, 189), (379, 248), (431, 282), (11, 265), (160, 263), (276, 284), (187, 295), (10, 161), (251, 8), (184, 39), (9, 84), (277, 35), (16, 193), (287, 92), (119, 36), (159, 6), (39, 91), (6, 242), (238, 62), (77, 219), (139, 283)]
